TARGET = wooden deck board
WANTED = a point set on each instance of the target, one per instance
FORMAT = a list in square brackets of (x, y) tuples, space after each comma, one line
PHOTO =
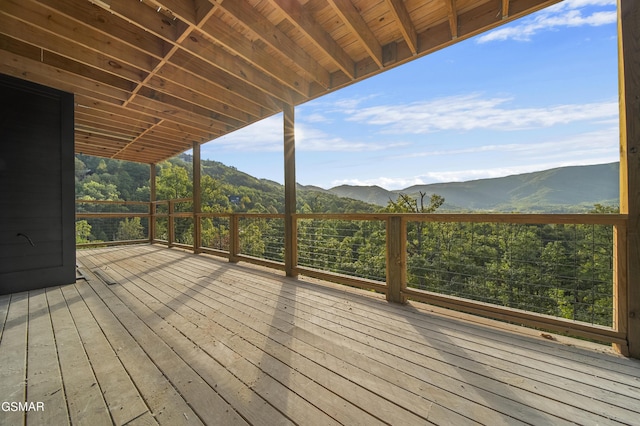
[(13, 358), (482, 387), (123, 399), (165, 402), (190, 339), (44, 381), (83, 395)]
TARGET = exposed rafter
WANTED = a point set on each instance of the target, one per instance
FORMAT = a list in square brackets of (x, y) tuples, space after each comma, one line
[(352, 19), (405, 24), (453, 17), (276, 39), (302, 19), (151, 77)]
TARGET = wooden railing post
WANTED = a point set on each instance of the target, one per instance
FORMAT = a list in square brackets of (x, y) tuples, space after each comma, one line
[(197, 198), (152, 205), (629, 87), (171, 229), (152, 221), (620, 286), (290, 236), (396, 259), (234, 238)]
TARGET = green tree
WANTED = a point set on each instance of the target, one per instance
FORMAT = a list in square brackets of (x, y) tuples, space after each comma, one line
[(130, 229), (83, 232)]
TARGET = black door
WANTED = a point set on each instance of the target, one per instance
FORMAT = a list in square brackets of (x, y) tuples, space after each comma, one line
[(37, 236)]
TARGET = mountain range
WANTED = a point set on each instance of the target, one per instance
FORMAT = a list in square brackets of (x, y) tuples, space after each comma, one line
[(560, 190)]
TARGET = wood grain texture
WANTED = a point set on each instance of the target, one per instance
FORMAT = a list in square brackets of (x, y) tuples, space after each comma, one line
[(629, 71)]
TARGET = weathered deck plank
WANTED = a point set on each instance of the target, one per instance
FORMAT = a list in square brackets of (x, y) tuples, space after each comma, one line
[(13, 358), (122, 398), (502, 395), (85, 402), (166, 354), (187, 339), (44, 381), (166, 404)]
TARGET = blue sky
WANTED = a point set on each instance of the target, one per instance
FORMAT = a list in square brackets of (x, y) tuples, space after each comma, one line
[(538, 93)]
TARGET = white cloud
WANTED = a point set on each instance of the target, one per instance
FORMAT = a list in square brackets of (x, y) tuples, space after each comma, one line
[(464, 175), (570, 13), (601, 142), (383, 182), (470, 112), (267, 136)]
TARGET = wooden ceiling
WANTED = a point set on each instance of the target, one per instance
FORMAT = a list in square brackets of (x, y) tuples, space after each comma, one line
[(151, 77)]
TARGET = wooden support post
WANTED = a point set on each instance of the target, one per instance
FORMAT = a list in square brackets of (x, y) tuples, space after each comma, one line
[(152, 205), (234, 238), (171, 226), (290, 236), (629, 86), (197, 199), (620, 286), (396, 259)]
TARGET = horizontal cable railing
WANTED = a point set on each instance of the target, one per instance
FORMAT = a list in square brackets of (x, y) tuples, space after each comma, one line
[(343, 245), (100, 222), (555, 272)]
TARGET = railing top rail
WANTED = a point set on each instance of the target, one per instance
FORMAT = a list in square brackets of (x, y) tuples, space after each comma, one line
[(521, 218), (261, 215), (119, 202), (173, 200), (344, 216)]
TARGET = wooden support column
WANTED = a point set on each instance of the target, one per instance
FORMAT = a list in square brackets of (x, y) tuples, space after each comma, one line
[(290, 237), (396, 259), (234, 238), (197, 199), (152, 205), (629, 86)]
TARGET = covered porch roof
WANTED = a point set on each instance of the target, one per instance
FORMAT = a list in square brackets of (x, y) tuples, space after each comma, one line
[(151, 77)]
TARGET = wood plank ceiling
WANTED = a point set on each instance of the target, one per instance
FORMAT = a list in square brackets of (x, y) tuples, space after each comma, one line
[(151, 77)]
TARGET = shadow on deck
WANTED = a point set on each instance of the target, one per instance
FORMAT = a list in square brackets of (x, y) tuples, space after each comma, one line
[(189, 339)]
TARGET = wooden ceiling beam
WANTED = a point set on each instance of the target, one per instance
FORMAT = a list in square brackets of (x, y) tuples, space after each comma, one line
[(95, 116), (38, 72), (53, 31), (302, 19), (223, 122), (142, 15), (187, 94), (505, 9), (137, 138), (218, 30), (405, 24), (118, 112), (174, 113), (221, 81), (276, 39), (210, 89), (359, 28), (200, 47), (453, 17), (111, 26), (108, 128)]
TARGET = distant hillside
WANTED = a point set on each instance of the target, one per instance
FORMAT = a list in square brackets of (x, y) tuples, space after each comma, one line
[(564, 189), (228, 189)]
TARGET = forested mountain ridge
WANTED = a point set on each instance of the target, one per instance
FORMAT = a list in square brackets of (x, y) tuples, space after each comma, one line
[(224, 188), (564, 189)]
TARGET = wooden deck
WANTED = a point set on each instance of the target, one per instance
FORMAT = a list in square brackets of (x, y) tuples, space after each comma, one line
[(189, 339)]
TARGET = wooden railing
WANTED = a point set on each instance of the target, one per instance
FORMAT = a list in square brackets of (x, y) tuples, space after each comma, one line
[(259, 239)]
